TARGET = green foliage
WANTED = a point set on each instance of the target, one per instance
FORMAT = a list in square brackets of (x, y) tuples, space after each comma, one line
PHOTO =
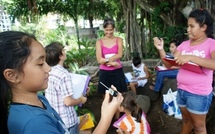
[(81, 111), (84, 55), (94, 9), (60, 35), (100, 33), (28, 27), (93, 89), (74, 68), (46, 36), (87, 43), (160, 29)]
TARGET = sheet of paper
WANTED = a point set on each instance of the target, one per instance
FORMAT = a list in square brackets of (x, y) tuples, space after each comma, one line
[(161, 68), (129, 77), (80, 84)]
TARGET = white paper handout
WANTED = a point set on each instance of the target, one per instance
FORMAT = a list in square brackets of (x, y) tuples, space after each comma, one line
[(161, 68), (130, 78), (80, 84)]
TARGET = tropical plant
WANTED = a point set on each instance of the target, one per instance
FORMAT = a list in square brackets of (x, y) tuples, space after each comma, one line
[(74, 68), (100, 33), (93, 89), (83, 56), (81, 111)]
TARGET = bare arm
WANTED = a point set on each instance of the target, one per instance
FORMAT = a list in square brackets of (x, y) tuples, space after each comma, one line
[(99, 58), (118, 55), (106, 117), (145, 68), (203, 62), (111, 60), (83, 121), (120, 131), (159, 43), (69, 101), (147, 72)]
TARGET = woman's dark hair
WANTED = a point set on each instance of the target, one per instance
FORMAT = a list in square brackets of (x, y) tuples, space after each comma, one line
[(53, 52), (129, 102), (203, 17), (108, 21), (15, 48), (136, 61)]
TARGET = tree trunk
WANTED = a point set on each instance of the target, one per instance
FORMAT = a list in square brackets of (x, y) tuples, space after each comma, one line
[(126, 16), (91, 21), (77, 32), (132, 28)]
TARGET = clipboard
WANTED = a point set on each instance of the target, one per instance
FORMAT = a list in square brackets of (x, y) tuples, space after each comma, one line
[(187, 66)]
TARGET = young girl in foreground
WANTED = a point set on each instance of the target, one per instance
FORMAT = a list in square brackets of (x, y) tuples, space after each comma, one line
[(24, 72), (194, 94), (134, 120)]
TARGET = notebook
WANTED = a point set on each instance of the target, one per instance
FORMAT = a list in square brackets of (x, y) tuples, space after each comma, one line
[(89, 124), (188, 66)]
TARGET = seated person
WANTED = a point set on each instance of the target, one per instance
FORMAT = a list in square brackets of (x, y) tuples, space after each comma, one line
[(134, 120), (168, 73), (141, 74)]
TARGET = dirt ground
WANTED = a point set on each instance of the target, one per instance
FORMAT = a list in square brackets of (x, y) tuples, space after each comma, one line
[(159, 121)]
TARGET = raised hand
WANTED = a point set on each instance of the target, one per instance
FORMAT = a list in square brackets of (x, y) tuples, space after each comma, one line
[(158, 43)]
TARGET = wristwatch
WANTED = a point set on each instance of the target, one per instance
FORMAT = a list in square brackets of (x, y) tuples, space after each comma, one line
[(107, 60)]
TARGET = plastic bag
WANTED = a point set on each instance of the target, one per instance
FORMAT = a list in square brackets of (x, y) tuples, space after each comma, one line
[(170, 105)]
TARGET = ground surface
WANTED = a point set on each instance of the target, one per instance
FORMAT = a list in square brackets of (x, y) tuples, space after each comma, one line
[(159, 121)]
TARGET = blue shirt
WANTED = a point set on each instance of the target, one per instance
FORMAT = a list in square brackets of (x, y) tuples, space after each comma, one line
[(28, 119)]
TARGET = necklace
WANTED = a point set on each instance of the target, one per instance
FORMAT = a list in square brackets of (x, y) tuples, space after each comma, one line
[(33, 103)]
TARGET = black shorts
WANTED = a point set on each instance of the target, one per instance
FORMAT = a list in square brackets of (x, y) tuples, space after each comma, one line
[(112, 77)]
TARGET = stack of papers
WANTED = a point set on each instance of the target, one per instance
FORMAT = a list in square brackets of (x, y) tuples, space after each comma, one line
[(130, 78)]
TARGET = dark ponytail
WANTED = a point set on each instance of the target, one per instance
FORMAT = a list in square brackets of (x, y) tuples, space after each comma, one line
[(5, 95), (130, 103)]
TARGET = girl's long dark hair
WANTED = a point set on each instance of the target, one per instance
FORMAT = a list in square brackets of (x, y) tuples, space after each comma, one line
[(14, 51), (203, 17), (130, 103)]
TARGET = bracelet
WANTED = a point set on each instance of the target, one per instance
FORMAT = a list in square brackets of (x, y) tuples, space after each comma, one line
[(107, 60)]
